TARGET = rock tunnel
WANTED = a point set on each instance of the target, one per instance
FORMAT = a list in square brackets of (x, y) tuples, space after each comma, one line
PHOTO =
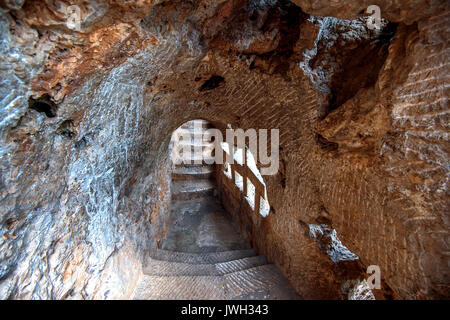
[(92, 92)]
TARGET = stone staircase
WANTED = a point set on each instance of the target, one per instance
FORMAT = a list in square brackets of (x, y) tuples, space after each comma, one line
[(203, 256)]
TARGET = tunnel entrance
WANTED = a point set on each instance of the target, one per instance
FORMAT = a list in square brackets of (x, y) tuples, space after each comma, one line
[(198, 168), (204, 255), (199, 222)]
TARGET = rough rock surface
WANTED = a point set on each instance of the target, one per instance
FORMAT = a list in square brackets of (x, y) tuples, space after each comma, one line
[(86, 118), (393, 10)]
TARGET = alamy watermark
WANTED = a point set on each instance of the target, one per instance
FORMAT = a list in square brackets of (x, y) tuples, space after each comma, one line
[(374, 281), (73, 14), (258, 144), (374, 20), (358, 288)]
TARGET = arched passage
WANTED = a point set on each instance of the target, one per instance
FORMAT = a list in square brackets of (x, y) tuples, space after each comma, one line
[(199, 223), (204, 253), (363, 115)]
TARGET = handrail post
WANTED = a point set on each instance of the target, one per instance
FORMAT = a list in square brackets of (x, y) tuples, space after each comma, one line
[(244, 176)]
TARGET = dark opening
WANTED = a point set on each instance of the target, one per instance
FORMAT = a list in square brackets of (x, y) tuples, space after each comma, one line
[(361, 67), (212, 83), (286, 17), (325, 144), (66, 129), (43, 104)]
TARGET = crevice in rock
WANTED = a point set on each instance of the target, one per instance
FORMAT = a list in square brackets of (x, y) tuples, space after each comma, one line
[(43, 104), (329, 243), (326, 145), (65, 129), (212, 83), (287, 18), (262, 34), (80, 144), (359, 64), (360, 67)]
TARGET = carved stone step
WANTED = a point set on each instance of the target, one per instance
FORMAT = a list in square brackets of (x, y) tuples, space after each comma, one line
[(193, 172), (185, 190), (203, 258), (167, 268)]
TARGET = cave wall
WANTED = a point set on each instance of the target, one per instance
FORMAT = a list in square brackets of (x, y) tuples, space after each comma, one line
[(406, 12), (80, 210), (84, 193), (92, 207)]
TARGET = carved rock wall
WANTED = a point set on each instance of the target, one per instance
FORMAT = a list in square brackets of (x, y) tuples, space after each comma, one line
[(84, 170)]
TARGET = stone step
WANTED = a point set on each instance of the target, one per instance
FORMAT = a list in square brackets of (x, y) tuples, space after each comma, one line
[(185, 190), (241, 264), (262, 282), (191, 133), (180, 288), (200, 123), (265, 281), (202, 258), (193, 172), (206, 145), (167, 268), (205, 152), (193, 155), (195, 162)]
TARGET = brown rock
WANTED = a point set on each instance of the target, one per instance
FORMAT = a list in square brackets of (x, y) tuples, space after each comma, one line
[(86, 118)]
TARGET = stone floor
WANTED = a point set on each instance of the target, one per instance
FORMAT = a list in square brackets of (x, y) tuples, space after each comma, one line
[(201, 225), (204, 257)]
